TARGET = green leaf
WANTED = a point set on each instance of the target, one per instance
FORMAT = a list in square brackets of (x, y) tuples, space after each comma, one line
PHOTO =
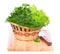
[(28, 16), (36, 40)]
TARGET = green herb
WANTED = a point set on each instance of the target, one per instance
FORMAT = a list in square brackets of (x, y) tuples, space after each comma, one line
[(28, 16), (36, 40)]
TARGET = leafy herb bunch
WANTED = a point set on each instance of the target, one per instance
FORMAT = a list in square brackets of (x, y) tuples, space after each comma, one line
[(28, 16)]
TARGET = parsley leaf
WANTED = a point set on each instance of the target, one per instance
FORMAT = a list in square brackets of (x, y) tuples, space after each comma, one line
[(36, 40), (28, 16)]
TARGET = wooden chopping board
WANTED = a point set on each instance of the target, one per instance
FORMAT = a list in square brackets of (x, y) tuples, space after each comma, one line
[(17, 45)]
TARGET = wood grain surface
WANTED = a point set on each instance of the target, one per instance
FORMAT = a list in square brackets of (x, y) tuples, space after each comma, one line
[(17, 45)]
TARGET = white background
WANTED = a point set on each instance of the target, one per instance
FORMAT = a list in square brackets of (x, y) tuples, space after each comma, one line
[(51, 8)]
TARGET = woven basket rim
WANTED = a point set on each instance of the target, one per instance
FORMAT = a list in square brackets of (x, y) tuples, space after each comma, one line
[(18, 25), (32, 30)]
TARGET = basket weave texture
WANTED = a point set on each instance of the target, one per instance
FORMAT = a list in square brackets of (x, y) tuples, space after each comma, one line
[(24, 33)]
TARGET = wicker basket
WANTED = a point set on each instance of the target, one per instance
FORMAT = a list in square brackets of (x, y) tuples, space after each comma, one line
[(24, 33)]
